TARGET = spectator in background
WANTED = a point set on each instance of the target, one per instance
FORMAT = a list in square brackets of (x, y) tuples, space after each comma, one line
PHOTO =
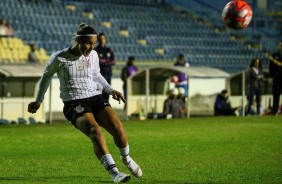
[(5, 29), (275, 77), (171, 105), (254, 109), (126, 72), (106, 60), (222, 106), (32, 56), (182, 77), (254, 81), (181, 94)]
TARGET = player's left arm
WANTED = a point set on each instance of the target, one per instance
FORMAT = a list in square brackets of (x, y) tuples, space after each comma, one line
[(108, 88), (97, 77)]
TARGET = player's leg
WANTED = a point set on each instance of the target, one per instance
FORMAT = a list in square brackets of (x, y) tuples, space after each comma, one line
[(88, 125), (250, 100), (276, 91), (108, 119), (258, 100)]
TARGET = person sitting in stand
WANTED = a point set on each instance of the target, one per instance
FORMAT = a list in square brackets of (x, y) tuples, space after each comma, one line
[(5, 29), (32, 56)]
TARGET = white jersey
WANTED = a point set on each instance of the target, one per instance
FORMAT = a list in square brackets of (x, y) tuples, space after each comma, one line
[(79, 76)]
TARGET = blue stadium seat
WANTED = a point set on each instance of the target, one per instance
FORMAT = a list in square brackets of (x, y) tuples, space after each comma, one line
[(21, 121), (32, 120), (4, 122)]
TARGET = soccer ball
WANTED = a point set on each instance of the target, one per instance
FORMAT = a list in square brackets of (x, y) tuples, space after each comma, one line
[(237, 14)]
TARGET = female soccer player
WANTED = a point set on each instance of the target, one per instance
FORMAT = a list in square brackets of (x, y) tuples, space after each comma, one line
[(81, 86)]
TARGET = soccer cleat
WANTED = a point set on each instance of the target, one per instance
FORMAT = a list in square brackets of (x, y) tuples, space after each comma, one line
[(132, 167), (121, 178)]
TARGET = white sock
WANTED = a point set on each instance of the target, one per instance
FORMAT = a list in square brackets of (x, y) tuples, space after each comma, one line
[(124, 152), (109, 164)]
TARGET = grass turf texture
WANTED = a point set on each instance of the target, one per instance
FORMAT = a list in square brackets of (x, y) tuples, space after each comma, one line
[(197, 150)]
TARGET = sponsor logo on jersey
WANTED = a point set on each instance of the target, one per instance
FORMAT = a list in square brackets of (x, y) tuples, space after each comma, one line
[(86, 63)]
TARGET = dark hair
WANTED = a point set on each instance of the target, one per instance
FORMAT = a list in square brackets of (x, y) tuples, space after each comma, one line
[(224, 91), (253, 63), (130, 61), (102, 34), (99, 37), (181, 56), (84, 29)]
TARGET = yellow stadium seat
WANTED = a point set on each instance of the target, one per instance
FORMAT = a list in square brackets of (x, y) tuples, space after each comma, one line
[(42, 51), (23, 55), (1, 45), (26, 48), (2, 49), (7, 55), (13, 43), (43, 56), (4, 54), (1, 55), (16, 56), (4, 42)]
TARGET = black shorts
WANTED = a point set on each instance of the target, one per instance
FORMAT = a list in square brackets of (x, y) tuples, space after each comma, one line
[(76, 108)]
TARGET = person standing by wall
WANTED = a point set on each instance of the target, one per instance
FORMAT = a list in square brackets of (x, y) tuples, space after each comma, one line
[(128, 70), (182, 77), (106, 60), (254, 80), (275, 76)]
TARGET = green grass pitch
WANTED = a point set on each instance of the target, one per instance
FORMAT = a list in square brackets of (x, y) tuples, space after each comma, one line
[(188, 151)]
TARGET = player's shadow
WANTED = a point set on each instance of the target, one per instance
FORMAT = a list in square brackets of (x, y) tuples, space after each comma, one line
[(142, 180), (42, 178), (87, 179)]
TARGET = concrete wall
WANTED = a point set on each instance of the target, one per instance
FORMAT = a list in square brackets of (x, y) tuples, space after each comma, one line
[(17, 107)]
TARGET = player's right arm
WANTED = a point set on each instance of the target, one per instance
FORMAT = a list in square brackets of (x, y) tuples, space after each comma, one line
[(50, 69)]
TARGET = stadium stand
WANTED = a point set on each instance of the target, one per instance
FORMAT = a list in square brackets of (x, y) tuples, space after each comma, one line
[(154, 31), (13, 50)]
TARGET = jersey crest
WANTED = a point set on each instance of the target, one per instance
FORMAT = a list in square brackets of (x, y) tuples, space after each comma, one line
[(80, 65), (79, 109)]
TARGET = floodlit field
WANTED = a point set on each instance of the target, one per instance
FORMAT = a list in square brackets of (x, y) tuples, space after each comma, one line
[(197, 150)]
